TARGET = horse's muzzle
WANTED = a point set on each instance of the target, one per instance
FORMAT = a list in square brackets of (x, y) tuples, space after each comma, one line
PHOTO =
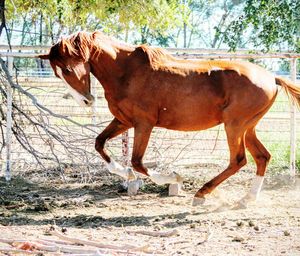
[(89, 100)]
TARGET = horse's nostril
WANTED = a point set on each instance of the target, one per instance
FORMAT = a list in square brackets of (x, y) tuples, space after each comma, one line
[(86, 102)]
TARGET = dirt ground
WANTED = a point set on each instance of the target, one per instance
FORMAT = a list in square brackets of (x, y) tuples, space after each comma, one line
[(98, 210)]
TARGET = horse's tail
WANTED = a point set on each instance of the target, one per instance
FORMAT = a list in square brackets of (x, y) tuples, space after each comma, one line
[(292, 90)]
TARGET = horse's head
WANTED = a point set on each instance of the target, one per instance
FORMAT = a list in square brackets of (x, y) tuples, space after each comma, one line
[(69, 60)]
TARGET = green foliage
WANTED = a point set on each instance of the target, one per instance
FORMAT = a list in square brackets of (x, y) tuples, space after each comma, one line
[(90, 14), (268, 24), (260, 24), (285, 65), (206, 20), (36, 22)]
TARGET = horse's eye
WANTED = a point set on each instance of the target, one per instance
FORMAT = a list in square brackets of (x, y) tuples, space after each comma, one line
[(67, 70)]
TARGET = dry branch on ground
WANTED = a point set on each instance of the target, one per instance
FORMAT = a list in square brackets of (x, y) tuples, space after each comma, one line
[(68, 244)]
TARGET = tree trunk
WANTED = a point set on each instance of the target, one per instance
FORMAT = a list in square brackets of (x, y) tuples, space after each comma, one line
[(184, 34), (2, 15), (41, 63), (144, 34)]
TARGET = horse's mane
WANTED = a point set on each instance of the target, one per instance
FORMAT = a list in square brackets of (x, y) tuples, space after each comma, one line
[(81, 43), (157, 57)]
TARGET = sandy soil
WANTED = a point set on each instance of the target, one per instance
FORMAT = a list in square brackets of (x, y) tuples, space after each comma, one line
[(99, 210)]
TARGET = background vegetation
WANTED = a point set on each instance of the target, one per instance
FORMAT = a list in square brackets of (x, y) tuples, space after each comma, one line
[(263, 24)]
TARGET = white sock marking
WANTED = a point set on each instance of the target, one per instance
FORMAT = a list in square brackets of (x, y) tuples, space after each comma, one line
[(160, 179), (118, 169), (256, 186), (253, 194)]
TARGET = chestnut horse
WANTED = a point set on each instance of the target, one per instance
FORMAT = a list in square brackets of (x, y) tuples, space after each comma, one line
[(146, 87)]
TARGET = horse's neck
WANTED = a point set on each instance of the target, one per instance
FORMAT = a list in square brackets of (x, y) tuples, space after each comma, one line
[(110, 69)]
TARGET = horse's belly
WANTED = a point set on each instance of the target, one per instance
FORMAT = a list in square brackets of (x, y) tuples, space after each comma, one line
[(190, 122)]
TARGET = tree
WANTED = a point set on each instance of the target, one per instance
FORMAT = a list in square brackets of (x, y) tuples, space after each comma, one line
[(67, 16), (44, 22), (202, 22), (266, 24)]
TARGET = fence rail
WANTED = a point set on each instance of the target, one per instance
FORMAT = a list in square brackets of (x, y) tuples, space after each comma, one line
[(166, 148)]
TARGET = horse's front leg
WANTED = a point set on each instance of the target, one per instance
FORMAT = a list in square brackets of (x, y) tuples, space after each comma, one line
[(112, 130), (142, 134)]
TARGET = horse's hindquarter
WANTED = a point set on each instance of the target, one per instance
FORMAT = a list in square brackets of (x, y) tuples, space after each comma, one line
[(250, 95)]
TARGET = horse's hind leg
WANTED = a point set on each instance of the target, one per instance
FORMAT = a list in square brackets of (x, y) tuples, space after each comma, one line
[(261, 157), (112, 130), (235, 137)]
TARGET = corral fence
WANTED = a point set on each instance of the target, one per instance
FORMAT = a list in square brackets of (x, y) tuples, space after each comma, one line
[(73, 128)]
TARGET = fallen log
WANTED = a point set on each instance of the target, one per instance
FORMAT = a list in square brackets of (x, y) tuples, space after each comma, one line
[(168, 233), (97, 244)]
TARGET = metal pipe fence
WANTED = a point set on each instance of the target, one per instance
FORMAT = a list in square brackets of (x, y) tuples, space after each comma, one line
[(167, 149)]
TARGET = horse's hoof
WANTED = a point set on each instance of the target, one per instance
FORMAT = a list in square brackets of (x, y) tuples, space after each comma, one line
[(240, 206), (130, 174), (244, 202), (133, 187), (179, 179), (174, 189), (198, 201)]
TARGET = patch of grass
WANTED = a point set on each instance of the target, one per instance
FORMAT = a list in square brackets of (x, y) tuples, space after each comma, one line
[(288, 155), (280, 160), (150, 187)]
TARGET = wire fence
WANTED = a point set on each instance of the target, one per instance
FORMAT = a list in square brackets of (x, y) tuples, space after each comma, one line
[(167, 149)]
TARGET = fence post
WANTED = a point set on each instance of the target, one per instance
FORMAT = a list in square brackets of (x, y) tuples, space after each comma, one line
[(293, 71), (8, 122), (94, 93), (125, 148)]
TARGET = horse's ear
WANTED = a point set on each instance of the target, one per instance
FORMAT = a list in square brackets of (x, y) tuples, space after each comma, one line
[(141, 52), (141, 49), (63, 46), (44, 56)]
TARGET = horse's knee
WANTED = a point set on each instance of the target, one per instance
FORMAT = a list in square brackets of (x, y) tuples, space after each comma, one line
[(99, 143), (99, 146), (138, 166), (261, 163), (263, 159), (267, 157), (136, 163), (241, 160)]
